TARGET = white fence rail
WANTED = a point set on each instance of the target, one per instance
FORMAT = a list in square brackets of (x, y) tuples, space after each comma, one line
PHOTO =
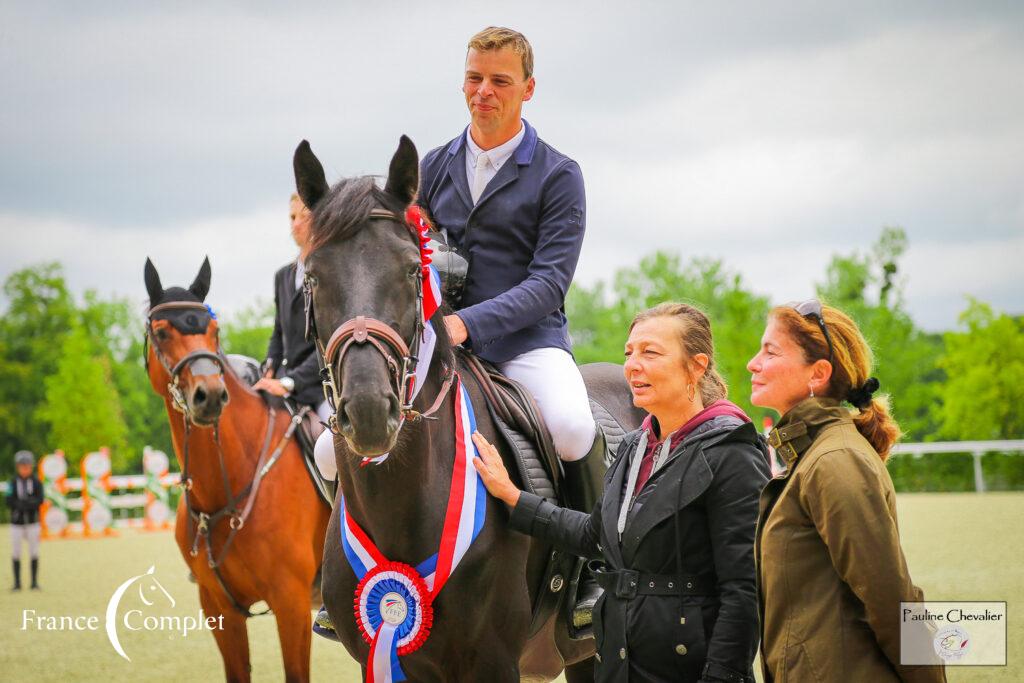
[(975, 448)]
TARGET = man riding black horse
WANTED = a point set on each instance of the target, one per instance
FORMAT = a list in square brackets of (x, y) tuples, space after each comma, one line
[(515, 208)]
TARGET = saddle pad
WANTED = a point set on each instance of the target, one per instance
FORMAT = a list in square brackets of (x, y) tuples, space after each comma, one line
[(613, 431), (533, 476), (247, 369), (307, 434)]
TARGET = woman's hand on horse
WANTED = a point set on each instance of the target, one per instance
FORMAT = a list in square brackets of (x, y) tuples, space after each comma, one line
[(493, 473)]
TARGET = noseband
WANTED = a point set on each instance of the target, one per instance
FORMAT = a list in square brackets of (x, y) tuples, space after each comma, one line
[(174, 371), (401, 358)]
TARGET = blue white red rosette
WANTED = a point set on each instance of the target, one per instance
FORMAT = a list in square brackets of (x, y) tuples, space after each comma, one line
[(394, 594)]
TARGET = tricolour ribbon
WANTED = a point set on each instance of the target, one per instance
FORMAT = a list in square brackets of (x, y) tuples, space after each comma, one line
[(393, 602)]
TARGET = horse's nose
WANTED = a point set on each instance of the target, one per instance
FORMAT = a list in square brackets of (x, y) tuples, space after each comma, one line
[(369, 423), (367, 411), (209, 398)]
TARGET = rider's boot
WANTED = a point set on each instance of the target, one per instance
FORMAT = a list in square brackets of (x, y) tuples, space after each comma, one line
[(323, 626), (583, 483)]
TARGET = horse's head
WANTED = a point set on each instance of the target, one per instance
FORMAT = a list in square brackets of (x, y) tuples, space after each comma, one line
[(363, 278), (184, 341)]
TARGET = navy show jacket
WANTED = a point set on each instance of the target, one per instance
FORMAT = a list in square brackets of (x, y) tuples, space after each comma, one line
[(522, 240)]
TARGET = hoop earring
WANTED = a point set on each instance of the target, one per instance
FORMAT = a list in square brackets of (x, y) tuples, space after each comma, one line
[(691, 392)]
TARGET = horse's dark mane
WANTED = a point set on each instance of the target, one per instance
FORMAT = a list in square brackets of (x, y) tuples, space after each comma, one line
[(344, 210), (346, 207)]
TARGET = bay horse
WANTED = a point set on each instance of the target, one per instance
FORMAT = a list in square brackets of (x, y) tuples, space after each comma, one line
[(249, 524), (364, 292)]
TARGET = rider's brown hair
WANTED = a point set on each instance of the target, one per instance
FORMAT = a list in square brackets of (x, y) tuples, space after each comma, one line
[(497, 37), (851, 367), (695, 337)]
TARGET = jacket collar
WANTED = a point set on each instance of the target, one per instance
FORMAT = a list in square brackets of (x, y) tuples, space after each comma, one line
[(523, 154), (681, 480), (798, 428)]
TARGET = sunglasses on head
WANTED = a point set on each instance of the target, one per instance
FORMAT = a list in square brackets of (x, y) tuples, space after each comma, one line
[(812, 309)]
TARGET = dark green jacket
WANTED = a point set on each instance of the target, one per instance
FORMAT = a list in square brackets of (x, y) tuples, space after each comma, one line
[(831, 573)]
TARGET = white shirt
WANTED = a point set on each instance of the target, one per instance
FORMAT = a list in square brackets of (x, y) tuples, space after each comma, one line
[(496, 157), (300, 273)]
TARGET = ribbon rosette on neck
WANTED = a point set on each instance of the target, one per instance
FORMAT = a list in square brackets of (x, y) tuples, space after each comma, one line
[(392, 597)]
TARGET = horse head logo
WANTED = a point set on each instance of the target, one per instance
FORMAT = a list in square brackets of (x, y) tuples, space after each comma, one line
[(149, 590)]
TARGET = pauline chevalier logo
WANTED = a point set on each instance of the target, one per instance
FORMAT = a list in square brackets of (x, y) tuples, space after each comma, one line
[(952, 643)]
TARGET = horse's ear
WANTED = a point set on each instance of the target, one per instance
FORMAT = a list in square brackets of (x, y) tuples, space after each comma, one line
[(201, 285), (153, 286), (404, 172), (310, 181)]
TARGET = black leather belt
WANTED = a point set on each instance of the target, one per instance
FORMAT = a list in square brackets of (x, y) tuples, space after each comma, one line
[(627, 583)]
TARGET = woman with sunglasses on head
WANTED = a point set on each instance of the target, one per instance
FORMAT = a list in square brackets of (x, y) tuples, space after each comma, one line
[(831, 572)]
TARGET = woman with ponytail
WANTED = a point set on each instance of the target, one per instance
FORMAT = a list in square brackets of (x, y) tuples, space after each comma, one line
[(831, 572)]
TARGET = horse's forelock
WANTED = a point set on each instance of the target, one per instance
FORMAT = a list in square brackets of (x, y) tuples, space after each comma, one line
[(175, 294), (346, 208)]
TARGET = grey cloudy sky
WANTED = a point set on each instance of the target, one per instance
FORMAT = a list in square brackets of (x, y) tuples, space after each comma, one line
[(770, 135)]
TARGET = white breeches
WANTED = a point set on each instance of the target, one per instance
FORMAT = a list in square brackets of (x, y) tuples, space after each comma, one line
[(25, 533), (556, 384)]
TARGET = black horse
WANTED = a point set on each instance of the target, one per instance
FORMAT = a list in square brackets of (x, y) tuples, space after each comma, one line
[(365, 266)]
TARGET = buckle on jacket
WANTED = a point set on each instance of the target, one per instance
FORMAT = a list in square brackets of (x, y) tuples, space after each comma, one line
[(626, 583)]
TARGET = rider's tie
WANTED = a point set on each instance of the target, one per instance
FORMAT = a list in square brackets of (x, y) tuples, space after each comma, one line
[(480, 176)]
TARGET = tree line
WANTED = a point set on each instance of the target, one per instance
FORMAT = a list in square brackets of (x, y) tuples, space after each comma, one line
[(72, 374)]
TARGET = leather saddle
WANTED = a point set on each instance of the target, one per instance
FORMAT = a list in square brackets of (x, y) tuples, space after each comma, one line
[(521, 425), (533, 457), (519, 421)]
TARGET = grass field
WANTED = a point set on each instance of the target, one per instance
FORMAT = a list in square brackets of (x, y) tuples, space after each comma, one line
[(959, 547)]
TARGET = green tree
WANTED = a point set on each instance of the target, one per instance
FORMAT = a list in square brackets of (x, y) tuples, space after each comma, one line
[(117, 329), (599, 327), (82, 405), (38, 315), (984, 389), (868, 288), (248, 332)]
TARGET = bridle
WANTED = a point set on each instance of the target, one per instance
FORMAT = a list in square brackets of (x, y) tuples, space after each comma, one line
[(174, 371), (233, 511), (401, 358)]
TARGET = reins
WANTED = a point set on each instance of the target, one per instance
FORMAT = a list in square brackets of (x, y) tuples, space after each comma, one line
[(205, 522)]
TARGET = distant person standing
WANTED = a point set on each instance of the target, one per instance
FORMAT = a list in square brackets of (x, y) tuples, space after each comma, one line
[(24, 496)]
